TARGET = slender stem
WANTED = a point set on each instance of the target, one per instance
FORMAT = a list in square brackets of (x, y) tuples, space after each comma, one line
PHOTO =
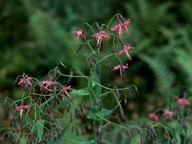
[(118, 102), (111, 20), (88, 43), (18, 100), (110, 122), (165, 127), (72, 76), (87, 24), (105, 58), (87, 77), (35, 112)]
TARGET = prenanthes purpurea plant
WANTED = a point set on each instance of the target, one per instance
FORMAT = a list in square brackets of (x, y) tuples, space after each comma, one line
[(52, 110)]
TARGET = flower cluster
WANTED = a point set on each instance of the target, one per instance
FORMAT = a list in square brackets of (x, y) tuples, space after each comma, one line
[(122, 25), (169, 114), (46, 100), (45, 86), (182, 102), (26, 80)]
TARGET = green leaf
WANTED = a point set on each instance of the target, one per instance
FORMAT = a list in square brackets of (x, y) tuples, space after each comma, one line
[(80, 92), (95, 84), (102, 113), (38, 128), (66, 137)]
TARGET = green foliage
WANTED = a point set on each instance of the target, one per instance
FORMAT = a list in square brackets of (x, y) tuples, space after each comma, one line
[(183, 59), (38, 128), (164, 77), (157, 36), (100, 114), (148, 19), (35, 35)]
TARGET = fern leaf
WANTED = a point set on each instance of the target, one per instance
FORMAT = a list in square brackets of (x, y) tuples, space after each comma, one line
[(164, 77)]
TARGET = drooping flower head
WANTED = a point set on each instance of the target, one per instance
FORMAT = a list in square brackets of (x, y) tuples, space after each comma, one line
[(121, 68), (79, 33), (100, 35), (125, 24), (64, 91), (186, 123), (21, 108), (182, 102), (26, 80), (168, 113), (153, 116), (46, 84), (119, 27), (125, 50)]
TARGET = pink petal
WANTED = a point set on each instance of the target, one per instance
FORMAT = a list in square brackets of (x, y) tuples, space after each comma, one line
[(117, 67), (124, 25), (186, 123), (121, 51), (168, 113), (83, 36), (153, 116), (126, 66), (65, 89), (18, 108), (25, 107), (120, 34), (127, 47), (183, 101), (116, 27), (106, 36)]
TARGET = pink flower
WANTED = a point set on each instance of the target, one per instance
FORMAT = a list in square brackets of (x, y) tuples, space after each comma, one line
[(21, 108), (120, 67), (125, 24), (46, 84), (27, 80), (125, 50), (182, 101), (100, 36), (186, 123), (168, 113), (64, 91), (119, 27), (153, 116), (79, 33)]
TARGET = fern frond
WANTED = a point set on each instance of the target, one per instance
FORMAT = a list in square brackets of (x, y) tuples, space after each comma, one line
[(184, 62), (148, 17), (183, 58), (164, 77), (185, 37)]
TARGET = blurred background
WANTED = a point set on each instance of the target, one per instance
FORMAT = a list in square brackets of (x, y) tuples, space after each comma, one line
[(36, 35)]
